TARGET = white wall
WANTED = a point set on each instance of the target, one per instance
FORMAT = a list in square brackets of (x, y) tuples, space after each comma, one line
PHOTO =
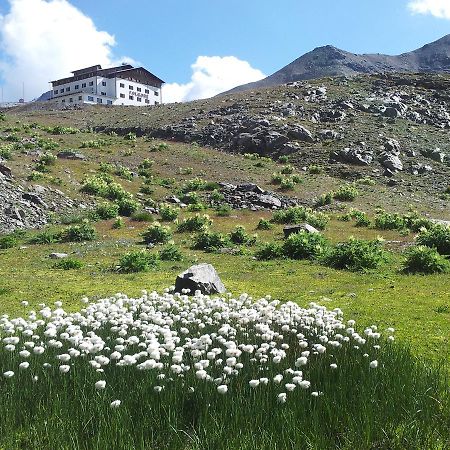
[(126, 89)]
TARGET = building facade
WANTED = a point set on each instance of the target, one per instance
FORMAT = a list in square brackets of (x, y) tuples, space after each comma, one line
[(122, 85)]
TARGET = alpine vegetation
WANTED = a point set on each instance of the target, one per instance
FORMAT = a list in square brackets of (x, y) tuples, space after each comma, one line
[(172, 371)]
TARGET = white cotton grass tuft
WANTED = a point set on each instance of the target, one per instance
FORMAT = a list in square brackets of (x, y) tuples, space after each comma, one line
[(191, 342)]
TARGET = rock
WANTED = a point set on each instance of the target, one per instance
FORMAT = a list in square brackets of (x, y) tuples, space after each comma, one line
[(269, 201), (202, 277), (392, 146), (68, 154), (300, 134), (292, 229), (391, 162), (173, 199), (249, 187), (437, 155), (391, 112), (356, 155), (58, 255), (6, 171)]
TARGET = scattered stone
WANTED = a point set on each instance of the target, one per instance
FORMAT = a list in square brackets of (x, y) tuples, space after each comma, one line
[(292, 229), (202, 277), (68, 154), (58, 255)]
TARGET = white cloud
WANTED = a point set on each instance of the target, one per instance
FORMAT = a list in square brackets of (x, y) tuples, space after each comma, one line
[(437, 8), (212, 75), (44, 40)]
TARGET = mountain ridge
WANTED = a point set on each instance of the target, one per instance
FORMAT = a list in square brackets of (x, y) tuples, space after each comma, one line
[(328, 60)]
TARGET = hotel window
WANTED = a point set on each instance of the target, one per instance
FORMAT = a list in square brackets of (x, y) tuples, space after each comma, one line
[(56, 91), (147, 91), (156, 93), (103, 93), (131, 97), (80, 97), (121, 85), (90, 99), (70, 100), (109, 102), (77, 86), (139, 89), (99, 100), (122, 95), (91, 83), (83, 85), (103, 83), (131, 87), (67, 89), (139, 99), (147, 100)]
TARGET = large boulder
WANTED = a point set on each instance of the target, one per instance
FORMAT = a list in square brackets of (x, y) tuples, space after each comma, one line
[(202, 277), (292, 229)]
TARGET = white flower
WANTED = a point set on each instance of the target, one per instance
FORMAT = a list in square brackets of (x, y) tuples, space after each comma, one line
[(24, 303), (302, 361), (222, 389), (201, 374), (253, 383), (8, 374), (277, 379), (99, 385), (64, 357), (391, 338), (158, 389), (333, 366), (24, 365), (10, 347), (282, 397), (64, 368), (315, 393), (305, 384), (289, 387), (115, 404), (373, 364)]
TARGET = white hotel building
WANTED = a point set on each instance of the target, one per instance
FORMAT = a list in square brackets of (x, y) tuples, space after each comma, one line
[(122, 85)]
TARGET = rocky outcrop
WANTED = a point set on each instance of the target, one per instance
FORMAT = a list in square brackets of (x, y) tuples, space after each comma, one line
[(201, 277)]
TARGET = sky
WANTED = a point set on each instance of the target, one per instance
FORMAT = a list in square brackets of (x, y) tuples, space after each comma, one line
[(199, 47)]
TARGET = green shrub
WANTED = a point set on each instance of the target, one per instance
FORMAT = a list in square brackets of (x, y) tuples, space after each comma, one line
[(168, 213), (436, 236), (423, 259), (296, 214), (157, 234), (216, 196), (191, 198), (118, 223), (79, 233), (240, 236), (277, 178), (159, 147), (99, 143), (68, 264), (287, 184), (304, 245), (96, 185), (346, 193), (356, 255), (46, 237), (283, 159), (6, 151), (194, 223), (388, 221), (128, 206), (196, 207), (313, 169), (138, 261), (62, 130), (269, 250), (325, 199), (130, 137), (8, 241), (223, 210), (170, 252), (142, 216), (287, 170), (362, 219), (106, 211), (35, 176), (263, 224), (211, 241), (147, 190), (367, 181)]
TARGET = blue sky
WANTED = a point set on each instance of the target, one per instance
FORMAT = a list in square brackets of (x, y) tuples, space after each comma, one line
[(167, 37)]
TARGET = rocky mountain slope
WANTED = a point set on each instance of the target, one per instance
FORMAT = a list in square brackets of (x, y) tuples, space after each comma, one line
[(331, 61)]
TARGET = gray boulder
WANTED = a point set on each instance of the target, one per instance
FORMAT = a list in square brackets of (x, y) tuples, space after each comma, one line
[(69, 154), (202, 277), (391, 162), (292, 229), (58, 255)]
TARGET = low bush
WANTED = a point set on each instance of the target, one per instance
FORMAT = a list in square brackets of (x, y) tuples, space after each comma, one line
[(46, 237), (68, 264), (142, 216), (346, 193), (296, 214), (224, 210), (6, 151), (194, 223), (211, 241), (287, 170), (356, 255), (118, 223), (269, 250), (170, 252), (314, 169), (79, 233), (287, 184), (264, 224), (423, 259), (137, 261), (168, 213), (157, 234), (436, 236), (128, 206), (8, 241), (325, 199), (240, 236), (304, 245), (388, 221), (99, 143), (216, 196), (106, 211)]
